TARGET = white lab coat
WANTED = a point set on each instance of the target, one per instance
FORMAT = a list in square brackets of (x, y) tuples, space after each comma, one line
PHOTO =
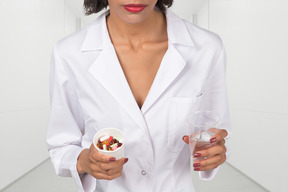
[(89, 92)]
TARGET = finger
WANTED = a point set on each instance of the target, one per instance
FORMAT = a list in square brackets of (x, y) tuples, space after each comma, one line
[(217, 149), (185, 138), (211, 166), (210, 163), (107, 169), (114, 171), (99, 175), (222, 142), (102, 170), (220, 134), (116, 165), (95, 156)]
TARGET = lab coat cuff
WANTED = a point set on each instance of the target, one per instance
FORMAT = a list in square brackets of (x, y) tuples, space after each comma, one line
[(209, 174), (85, 182)]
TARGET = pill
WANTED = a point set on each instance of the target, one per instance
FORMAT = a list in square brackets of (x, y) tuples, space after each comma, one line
[(105, 137), (108, 143), (114, 145), (110, 139)]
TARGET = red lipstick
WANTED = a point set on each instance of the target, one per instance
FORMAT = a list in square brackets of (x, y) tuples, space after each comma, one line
[(134, 8)]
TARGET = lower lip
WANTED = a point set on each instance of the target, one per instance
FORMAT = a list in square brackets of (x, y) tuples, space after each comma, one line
[(134, 8)]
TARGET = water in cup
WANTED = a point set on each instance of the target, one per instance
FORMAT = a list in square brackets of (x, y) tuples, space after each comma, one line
[(199, 124)]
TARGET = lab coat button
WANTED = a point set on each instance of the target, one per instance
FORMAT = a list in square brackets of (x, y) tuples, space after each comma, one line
[(143, 172)]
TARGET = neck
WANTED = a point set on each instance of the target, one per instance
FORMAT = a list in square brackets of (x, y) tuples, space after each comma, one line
[(150, 29)]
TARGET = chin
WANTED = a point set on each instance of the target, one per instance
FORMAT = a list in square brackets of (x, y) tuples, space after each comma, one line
[(133, 20)]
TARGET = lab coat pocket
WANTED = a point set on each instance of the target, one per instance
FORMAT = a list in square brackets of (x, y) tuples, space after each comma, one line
[(179, 108)]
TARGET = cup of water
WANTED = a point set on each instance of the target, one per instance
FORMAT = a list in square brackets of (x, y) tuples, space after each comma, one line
[(199, 125)]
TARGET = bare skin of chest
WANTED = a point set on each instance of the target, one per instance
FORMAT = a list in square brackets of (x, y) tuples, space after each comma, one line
[(140, 66)]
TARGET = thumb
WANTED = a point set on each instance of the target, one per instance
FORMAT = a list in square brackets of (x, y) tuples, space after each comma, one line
[(185, 138)]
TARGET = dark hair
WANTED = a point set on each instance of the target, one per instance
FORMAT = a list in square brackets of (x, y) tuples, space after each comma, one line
[(94, 6)]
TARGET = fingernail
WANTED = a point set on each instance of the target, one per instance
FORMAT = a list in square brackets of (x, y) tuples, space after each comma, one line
[(213, 140), (197, 169), (111, 159), (125, 160), (196, 165), (197, 155)]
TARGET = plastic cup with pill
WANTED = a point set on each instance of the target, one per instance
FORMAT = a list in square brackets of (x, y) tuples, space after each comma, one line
[(199, 124), (117, 153)]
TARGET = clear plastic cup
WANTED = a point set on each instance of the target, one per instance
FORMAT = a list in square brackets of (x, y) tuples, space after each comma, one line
[(199, 124), (119, 152)]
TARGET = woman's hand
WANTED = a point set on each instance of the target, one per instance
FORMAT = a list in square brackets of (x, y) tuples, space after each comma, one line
[(215, 155), (99, 165)]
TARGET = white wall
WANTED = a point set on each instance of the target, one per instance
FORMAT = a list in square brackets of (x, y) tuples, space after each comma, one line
[(255, 34), (186, 8), (203, 16), (70, 21), (29, 30)]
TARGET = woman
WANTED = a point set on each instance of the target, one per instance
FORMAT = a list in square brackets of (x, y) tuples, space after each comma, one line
[(141, 69)]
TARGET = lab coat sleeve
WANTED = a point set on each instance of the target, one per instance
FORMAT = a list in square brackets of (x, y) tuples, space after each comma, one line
[(215, 99), (66, 125)]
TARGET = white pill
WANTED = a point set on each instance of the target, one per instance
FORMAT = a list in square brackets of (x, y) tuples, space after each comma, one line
[(104, 138)]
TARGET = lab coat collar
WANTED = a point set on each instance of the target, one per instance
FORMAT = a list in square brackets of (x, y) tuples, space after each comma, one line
[(97, 36), (174, 25)]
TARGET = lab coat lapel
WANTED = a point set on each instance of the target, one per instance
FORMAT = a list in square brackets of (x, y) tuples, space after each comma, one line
[(107, 71), (173, 61), (171, 66)]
